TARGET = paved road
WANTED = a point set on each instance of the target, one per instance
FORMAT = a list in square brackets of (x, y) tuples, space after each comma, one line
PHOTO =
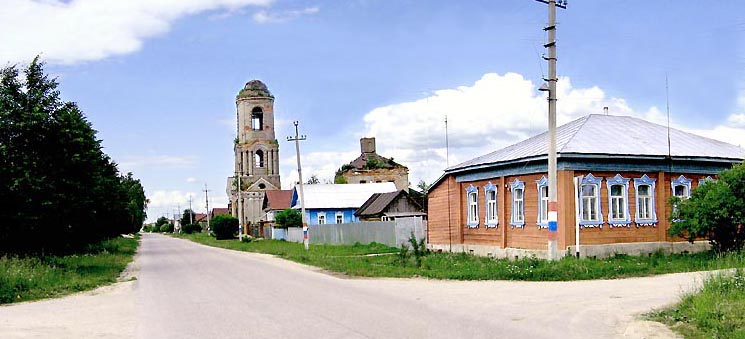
[(186, 290)]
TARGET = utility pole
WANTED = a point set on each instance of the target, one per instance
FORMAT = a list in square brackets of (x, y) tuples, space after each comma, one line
[(297, 138), (239, 202), (447, 165), (207, 204), (191, 211), (553, 213)]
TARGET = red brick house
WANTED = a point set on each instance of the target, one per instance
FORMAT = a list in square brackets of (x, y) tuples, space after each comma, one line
[(615, 177)]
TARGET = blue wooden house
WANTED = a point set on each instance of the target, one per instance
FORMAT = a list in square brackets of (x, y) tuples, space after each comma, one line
[(336, 203)]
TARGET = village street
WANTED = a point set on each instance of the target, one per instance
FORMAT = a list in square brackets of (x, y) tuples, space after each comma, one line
[(186, 290)]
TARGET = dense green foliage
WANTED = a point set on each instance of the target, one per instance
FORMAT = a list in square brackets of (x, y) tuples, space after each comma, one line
[(191, 228), (188, 217), (166, 228), (353, 260), (29, 278), (716, 311), (59, 191), (715, 211), (224, 226), (288, 218)]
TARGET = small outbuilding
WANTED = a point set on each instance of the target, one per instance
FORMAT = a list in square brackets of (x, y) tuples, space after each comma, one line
[(389, 206)]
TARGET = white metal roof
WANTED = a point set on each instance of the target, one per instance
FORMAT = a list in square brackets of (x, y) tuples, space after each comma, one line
[(612, 135), (340, 195)]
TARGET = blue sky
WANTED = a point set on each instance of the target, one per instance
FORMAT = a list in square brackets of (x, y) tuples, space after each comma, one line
[(158, 78)]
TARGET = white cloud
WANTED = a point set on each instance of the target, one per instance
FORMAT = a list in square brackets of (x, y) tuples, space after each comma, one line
[(494, 112), (265, 16), (161, 161), (170, 199), (84, 30), (322, 164), (191, 180)]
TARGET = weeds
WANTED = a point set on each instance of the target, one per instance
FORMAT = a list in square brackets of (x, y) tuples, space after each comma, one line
[(31, 278), (716, 311)]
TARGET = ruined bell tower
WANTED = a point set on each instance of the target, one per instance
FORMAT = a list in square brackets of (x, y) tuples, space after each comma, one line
[(256, 152)]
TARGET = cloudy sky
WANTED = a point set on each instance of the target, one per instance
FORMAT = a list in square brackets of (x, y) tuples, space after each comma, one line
[(158, 78)]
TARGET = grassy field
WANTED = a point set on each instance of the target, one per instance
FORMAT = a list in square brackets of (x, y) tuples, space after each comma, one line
[(716, 311), (356, 261), (30, 278)]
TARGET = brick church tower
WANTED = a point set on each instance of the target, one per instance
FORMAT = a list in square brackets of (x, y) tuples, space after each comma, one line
[(256, 152)]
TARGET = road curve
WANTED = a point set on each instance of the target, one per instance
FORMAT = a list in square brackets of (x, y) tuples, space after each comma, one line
[(187, 290)]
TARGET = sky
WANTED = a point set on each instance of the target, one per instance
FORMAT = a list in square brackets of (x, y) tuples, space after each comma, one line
[(158, 78)]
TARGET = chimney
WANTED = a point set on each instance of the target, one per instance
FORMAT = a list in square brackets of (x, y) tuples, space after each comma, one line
[(367, 145), (605, 110)]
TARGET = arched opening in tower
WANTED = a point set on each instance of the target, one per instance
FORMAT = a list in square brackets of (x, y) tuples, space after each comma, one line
[(257, 119), (259, 158)]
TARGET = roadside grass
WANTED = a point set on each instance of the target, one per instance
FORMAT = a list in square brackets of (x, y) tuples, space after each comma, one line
[(31, 278), (355, 261), (717, 310)]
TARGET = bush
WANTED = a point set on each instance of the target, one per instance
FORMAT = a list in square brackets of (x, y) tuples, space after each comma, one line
[(224, 226), (166, 228), (191, 228), (288, 218), (715, 211)]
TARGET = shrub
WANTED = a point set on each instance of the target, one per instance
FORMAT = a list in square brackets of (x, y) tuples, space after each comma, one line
[(418, 247), (288, 218), (191, 228), (167, 228), (224, 227), (715, 211)]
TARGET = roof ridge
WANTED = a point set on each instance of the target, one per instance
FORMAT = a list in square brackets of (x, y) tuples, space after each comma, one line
[(586, 117)]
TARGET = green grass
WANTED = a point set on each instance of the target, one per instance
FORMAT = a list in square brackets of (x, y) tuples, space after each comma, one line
[(31, 278), (352, 260), (716, 311)]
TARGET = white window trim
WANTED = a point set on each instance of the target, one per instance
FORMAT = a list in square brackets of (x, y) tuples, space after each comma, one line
[(681, 181), (708, 178), (517, 184), (472, 214), (589, 179), (339, 214), (543, 182), (491, 220), (610, 182), (646, 180), (321, 216)]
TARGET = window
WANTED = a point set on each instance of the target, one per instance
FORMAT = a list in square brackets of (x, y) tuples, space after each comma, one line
[(703, 181), (518, 203), (589, 204), (321, 218), (645, 206), (681, 187), (644, 201), (542, 202), (339, 217), (618, 203), (257, 119), (472, 194), (259, 158), (490, 191)]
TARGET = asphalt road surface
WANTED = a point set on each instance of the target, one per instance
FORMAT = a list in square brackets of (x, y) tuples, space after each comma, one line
[(186, 290)]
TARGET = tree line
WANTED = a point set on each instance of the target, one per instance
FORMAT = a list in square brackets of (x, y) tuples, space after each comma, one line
[(58, 190)]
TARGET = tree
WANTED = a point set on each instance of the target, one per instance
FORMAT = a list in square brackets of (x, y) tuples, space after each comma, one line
[(59, 190), (715, 211), (161, 221), (224, 226), (313, 180), (288, 218), (188, 217)]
